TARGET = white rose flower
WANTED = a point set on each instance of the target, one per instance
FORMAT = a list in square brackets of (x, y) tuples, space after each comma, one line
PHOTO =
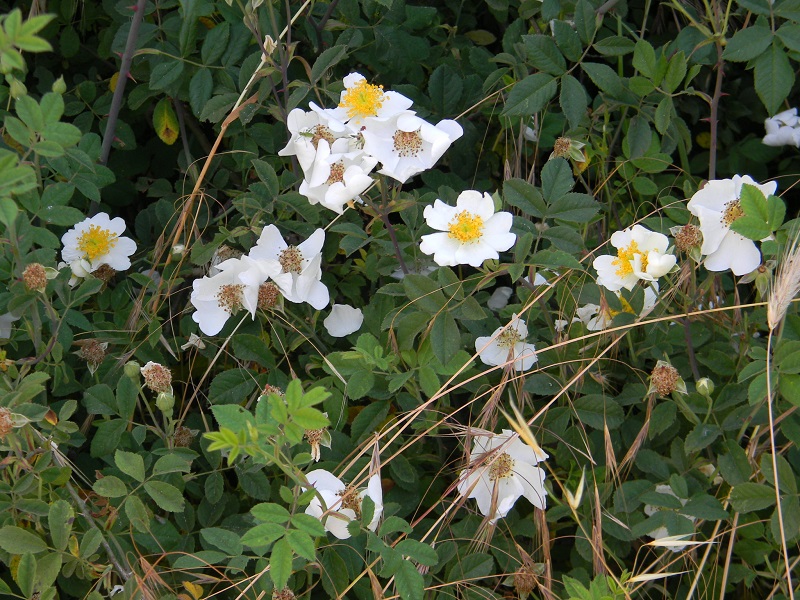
[(343, 320), (216, 298), (499, 298), (342, 503), (362, 104), (717, 207), (471, 231), (502, 468), (505, 345), (406, 145), (296, 270), (783, 129), (307, 129), (661, 532), (597, 318), (97, 241), (336, 178), (641, 254)]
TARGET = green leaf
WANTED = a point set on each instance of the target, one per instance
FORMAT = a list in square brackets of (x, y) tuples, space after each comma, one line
[(165, 74), (109, 433), (230, 387), (309, 524), (567, 40), (26, 573), (8, 211), (676, 71), (555, 259), (574, 207), (410, 583), (544, 54), (424, 293), (776, 212), (394, 524), (614, 45), (326, 60), (573, 100), (280, 563), (523, 195), (63, 134), (664, 113), (216, 43), (165, 122), (302, 544), (774, 77), (701, 437), (16, 540), (110, 486), (270, 513), (599, 411), (419, 551), (556, 179), (131, 464), (445, 88), (530, 95), (605, 78), (227, 541), (368, 420), (644, 59), (137, 513), (172, 463), (586, 21), (445, 338), (167, 496), (748, 497), (262, 535), (59, 519), (753, 224), (31, 114), (786, 477), (748, 43)]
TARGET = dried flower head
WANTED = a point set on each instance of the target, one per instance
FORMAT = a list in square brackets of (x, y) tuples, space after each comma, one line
[(93, 351), (268, 295), (183, 437), (272, 389), (104, 273), (561, 147), (35, 277), (665, 379), (688, 237), (157, 377), (6, 424), (524, 581), (317, 438), (284, 594)]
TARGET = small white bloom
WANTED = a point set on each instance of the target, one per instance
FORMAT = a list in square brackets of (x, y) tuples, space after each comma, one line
[(195, 341), (406, 145), (641, 254), (471, 231), (503, 468), (661, 532), (307, 129), (79, 268), (296, 270), (336, 178), (597, 318), (216, 298), (499, 298), (341, 502), (98, 241), (783, 129), (6, 321), (717, 207), (343, 320), (505, 345), (362, 104)]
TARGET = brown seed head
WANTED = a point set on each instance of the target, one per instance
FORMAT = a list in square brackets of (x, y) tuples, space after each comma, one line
[(183, 437), (688, 237), (284, 594), (524, 580), (35, 277), (664, 379), (104, 273), (157, 377), (93, 352), (6, 424), (561, 147), (268, 295)]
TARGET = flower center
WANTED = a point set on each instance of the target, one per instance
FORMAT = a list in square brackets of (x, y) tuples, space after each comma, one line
[(268, 294), (363, 100), (337, 173), (321, 132), (407, 143), (502, 467), (229, 297), (625, 257), (733, 211), (466, 227), (291, 259), (508, 338), (96, 241), (350, 499)]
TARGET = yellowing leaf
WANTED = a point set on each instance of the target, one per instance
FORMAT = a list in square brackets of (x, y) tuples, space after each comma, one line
[(165, 121), (195, 590), (112, 85)]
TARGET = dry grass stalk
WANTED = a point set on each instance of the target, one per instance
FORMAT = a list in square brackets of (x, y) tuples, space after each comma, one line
[(546, 587), (598, 560), (786, 283), (630, 456)]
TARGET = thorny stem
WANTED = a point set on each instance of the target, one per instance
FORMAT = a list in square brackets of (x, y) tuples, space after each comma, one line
[(713, 123), (119, 90)]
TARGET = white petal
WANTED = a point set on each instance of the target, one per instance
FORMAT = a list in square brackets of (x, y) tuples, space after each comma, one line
[(343, 320), (736, 253)]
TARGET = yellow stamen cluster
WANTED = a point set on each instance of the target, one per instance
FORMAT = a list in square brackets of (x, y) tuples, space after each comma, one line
[(351, 499), (96, 242), (291, 260), (508, 338), (268, 295), (466, 227), (363, 100), (689, 236), (407, 143), (624, 259), (501, 467), (337, 173), (733, 211), (321, 132), (229, 297)]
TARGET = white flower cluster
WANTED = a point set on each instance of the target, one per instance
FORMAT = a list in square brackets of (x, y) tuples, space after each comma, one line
[(250, 281), (641, 256), (337, 148), (95, 242), (337, 504), (783, 129)]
